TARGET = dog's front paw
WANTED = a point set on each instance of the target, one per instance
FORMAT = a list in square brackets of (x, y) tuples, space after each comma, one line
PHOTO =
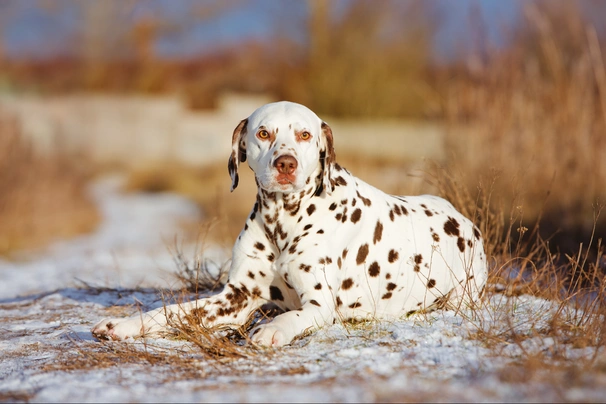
[(269, 335), (117, 329)]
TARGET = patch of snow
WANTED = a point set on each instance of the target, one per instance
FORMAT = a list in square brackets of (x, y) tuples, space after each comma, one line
[(45, 328)]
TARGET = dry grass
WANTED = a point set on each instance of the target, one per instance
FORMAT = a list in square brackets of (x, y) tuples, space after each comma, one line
[(536, 114), (41, 198)]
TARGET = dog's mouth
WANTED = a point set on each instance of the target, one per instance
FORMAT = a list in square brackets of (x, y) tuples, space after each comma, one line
[(285, 179)]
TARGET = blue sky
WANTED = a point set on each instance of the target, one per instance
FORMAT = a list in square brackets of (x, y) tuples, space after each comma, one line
[(35, 31)]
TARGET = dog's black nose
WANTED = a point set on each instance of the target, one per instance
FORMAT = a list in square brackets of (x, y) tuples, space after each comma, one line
[(286, 164)]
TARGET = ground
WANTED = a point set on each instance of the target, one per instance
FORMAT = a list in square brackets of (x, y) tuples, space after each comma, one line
[(49, 302)]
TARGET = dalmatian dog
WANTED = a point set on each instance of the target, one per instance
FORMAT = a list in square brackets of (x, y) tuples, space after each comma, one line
[(324, 245)]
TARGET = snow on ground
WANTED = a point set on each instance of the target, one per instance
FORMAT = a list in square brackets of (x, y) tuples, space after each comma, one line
[(48, 354)]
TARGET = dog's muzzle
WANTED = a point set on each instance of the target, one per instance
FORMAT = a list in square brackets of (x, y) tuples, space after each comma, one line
[(286, 166)]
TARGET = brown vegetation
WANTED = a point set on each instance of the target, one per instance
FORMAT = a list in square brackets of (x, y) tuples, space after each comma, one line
[(42, 199)]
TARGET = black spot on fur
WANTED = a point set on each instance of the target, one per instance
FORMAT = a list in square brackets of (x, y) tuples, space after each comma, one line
[(307, 227), (431, 283), (332, 206), (362, 254), (391, 215), (347, 284), (374, 269), (311, 209), (318, 286), (320, 231), (355, 305), (251, 275), (418, 259), (476, 233), (428, 212), (271, 257), (315, 303), (386, 296), (275, 293), (391, 286)]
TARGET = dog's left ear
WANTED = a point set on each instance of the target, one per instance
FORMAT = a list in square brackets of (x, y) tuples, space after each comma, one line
[(238, 152), (327, 159)]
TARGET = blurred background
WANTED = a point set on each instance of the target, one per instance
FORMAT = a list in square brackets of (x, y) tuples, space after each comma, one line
[(508, 97)]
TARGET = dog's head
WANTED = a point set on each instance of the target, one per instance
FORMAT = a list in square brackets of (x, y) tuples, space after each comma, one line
[(286, 145)]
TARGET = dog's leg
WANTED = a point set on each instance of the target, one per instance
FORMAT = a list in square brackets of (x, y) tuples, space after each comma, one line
[(248, 288), (318, 305)]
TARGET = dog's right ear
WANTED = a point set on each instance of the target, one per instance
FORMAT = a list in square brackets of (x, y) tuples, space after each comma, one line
[(238, 152)]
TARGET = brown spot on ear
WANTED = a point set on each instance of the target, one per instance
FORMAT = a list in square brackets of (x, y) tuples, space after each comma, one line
[(362, 254), (431, 283), (275, 293), (451, 227), (374, 269), (392, 256), (378, 232), (347, 284), (355, 216)]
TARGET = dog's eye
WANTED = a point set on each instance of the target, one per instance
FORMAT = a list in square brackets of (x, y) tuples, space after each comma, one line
[(305, 136), (263, 134)]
